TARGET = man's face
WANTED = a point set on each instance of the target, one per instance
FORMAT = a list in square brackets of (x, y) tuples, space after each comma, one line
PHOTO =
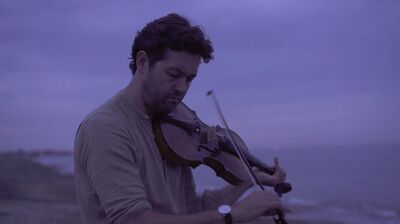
[(168, 80)]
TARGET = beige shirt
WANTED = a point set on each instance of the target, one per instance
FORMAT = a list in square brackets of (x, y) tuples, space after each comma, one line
[(119, 172)]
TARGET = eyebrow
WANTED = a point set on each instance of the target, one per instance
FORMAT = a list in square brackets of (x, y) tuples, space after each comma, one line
[(182, 72)]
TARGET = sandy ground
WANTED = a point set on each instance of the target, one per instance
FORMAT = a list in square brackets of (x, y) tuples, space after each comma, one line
[(31, 194)]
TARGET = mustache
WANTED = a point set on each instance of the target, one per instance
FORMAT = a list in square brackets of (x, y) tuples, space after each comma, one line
[(176, 95)]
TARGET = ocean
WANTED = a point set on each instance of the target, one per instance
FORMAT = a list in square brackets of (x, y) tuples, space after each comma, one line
[(357, 185)]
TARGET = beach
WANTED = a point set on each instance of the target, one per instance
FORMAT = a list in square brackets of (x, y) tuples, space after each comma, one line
[(31, 193), (39, 189)]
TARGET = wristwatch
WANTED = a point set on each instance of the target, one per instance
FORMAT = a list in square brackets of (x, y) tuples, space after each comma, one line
[(225, 211)]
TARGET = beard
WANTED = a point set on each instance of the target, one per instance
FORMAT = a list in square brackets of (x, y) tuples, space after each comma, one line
[(157, 99), (159, 103), (166, 106)]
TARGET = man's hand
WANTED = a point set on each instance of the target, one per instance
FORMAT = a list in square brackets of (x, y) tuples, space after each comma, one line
[(257, 204), (271, 180)]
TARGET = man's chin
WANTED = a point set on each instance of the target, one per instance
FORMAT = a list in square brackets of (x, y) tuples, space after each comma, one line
[(167, 108)]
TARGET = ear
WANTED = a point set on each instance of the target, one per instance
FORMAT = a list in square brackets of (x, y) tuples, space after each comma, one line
[(142, 62)]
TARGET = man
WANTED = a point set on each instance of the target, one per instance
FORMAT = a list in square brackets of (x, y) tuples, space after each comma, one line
[(120, 176)]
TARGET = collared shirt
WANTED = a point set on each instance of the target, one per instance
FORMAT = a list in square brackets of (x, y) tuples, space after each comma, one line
[(120, 173)]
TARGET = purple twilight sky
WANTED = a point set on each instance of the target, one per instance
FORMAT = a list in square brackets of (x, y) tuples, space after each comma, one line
[(287, 73)]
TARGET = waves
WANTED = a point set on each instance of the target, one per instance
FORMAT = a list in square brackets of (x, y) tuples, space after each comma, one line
[(329, 186), (306, 209)]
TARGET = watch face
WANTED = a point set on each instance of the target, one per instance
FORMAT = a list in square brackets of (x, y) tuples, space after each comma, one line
[(224, 209)]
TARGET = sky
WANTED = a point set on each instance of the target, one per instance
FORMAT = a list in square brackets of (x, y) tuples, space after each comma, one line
[(287, 73)]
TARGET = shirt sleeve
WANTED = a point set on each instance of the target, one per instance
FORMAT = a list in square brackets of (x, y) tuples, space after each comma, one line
[(210, 199), (110, 159)]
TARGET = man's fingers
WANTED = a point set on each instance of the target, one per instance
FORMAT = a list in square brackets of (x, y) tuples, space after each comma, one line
[(211, 133), (277, 166), (279, 170), (270, 212), (277, 206), (276, 162), (285, 208)]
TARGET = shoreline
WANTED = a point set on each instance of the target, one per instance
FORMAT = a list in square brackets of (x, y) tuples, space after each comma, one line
[(33, 193)]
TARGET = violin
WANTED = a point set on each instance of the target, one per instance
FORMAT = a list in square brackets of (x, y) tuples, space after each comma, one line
[(182, 139)]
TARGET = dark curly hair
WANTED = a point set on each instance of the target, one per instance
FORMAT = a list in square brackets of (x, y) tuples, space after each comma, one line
[(170, 32)]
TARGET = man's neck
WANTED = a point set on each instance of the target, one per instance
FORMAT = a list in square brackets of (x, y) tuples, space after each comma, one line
[(135, 93)]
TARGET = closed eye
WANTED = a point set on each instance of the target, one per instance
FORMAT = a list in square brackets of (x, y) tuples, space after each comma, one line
[(177, 73), (173, 75), (190, 78)]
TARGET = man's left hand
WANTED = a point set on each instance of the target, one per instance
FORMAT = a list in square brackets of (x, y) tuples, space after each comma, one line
[(278, 177)]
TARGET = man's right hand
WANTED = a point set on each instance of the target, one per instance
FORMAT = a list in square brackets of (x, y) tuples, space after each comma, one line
[(257, 204)]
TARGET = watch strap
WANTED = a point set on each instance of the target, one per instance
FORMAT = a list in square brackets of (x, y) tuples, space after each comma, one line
[(227, 218)]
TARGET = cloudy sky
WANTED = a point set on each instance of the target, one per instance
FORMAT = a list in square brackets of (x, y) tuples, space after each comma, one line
[(287, 73)]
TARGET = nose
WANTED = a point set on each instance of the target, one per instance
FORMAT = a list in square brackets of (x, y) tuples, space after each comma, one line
[(181, 86)]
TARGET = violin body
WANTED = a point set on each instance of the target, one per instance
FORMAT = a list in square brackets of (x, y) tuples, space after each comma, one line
[(182, 139)]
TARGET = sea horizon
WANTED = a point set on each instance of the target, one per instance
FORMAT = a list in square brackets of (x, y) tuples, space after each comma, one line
[(347, 185)]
